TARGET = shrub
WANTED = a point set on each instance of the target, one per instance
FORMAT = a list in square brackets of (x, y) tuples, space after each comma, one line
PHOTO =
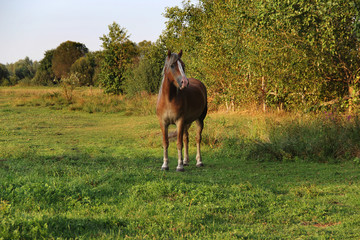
[(320, 140), (68, 85)]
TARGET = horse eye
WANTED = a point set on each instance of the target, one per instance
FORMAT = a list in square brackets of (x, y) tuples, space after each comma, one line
[(172, 66)]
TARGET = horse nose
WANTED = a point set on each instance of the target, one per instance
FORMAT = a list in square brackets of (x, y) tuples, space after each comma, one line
[(184, 83)]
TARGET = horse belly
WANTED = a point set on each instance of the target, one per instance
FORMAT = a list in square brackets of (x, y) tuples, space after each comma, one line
[(195, 106)]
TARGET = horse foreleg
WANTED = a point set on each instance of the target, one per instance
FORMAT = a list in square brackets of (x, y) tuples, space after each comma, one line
[(180, 133), (164, 130), (200, 126), (186, 145)]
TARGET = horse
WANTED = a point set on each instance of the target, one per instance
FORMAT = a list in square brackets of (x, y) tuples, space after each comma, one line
[(181, 101)]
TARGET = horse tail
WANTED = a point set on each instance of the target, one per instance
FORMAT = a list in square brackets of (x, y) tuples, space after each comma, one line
[(203, 114)]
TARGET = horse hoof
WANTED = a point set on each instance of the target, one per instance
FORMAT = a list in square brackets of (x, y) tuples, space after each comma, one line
[(199, 165), (165, 169), (186, 164), (180, 169)]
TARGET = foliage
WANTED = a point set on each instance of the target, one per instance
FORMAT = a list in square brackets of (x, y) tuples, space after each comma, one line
[(65, 55), (294, 55), (327, 138), (4, 75), (96, 59), (44, 75), (289, 54), (22, 70), (146, 75), (84, 68), (118, 55), (68, 85)]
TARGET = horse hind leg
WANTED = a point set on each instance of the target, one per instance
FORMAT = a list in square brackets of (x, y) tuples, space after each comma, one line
[(186, 145), (200, 126), (180, 135)]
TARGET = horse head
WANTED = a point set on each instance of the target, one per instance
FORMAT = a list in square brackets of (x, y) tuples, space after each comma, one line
[(175, 70)]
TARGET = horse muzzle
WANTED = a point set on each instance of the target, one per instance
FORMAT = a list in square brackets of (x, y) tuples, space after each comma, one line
[(184, 83)]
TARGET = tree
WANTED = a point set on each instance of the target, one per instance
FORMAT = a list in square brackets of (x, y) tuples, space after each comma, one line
[(4, 75), (144, 47), (65, 55), (282, 53), (146, 74), (84, 68), (44, 74), (22, 70), (118, 55)]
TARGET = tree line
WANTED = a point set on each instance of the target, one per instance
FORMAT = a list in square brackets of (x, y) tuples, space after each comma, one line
[(121, 67), (296, 54), (286, 54)]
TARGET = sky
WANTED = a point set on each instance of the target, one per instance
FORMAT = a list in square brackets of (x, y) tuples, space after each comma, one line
[(28, 28)]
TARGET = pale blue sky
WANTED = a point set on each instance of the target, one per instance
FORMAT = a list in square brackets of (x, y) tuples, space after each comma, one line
[(30, 27)]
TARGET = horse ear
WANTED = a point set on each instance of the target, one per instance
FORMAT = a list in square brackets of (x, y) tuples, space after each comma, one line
[(180, 53), (169, 54)]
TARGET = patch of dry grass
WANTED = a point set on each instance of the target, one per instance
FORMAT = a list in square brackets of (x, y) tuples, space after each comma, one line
[(90, 100)]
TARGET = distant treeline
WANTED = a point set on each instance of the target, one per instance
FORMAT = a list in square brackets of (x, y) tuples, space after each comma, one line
[(122, 67), (297, 54)]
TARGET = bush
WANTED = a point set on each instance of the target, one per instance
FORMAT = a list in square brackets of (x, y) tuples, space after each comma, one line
[(84, 68), (329, 138), (68, 85), (146, 76)]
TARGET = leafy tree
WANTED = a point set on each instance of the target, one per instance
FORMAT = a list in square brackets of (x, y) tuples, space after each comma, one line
[(65, 55), (282, 53), (4, 75), (146, 75), (98, 58), (84, 68), (144, 47), (87, 68), (22, 70), (44, 74), (118, 55)]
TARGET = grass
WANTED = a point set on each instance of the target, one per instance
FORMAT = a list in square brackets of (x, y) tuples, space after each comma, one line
[(66, 173), (81, 99)]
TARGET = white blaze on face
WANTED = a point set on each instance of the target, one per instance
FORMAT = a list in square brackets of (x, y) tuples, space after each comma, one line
[(181, 69), (184, 81)]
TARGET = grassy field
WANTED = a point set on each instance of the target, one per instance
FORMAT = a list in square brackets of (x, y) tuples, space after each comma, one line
[(89, 167)]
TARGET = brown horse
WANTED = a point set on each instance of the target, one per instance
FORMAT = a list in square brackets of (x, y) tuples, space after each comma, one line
[(181, 101)]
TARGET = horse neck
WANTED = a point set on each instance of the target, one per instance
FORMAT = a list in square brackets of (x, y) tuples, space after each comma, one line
[(168, 89)]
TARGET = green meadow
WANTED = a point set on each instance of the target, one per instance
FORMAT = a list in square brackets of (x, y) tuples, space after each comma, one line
[(88, 167)]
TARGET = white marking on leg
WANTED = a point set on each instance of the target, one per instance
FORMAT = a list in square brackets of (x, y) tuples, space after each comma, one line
[(165, 165), (165, 132), (180, 166), (198, 155), (198, 142), (180, 134)]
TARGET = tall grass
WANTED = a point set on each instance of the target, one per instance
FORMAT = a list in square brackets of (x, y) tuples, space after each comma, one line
[(83, 99), (277, 136), (320, 139), (285, 137)]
